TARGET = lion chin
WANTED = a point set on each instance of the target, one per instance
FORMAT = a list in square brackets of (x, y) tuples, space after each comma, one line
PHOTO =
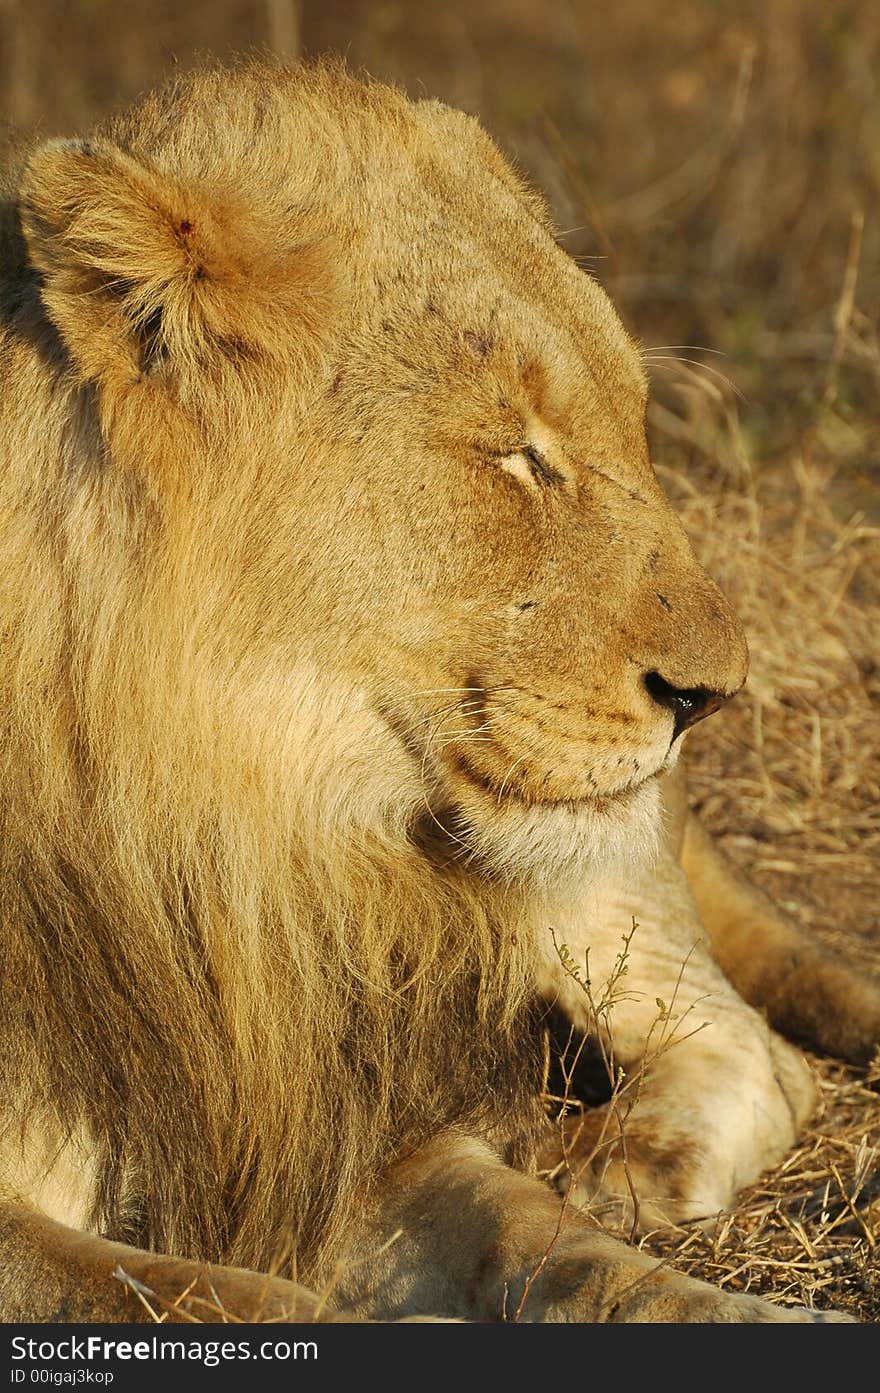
[(561, 845)]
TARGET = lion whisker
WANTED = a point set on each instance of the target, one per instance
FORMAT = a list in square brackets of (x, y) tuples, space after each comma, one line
[(691, 347), (465, 735), (434, 734), (447, 831), (463, 707), (661, 360), (464, 738), (434, 691), (483, 691), (504, 781)]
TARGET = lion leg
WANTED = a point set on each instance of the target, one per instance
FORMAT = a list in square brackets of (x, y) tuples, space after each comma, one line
[(710, 1097), (807, 993), (457, 1233), (49, 1272), (672, 1158)]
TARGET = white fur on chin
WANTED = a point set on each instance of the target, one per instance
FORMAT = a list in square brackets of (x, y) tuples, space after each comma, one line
[(566, 843)]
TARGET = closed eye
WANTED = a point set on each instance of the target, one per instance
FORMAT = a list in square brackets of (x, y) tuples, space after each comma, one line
[(532, 468)]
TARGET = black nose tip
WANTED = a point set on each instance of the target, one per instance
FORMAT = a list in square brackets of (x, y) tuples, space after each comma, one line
[(687, 704)]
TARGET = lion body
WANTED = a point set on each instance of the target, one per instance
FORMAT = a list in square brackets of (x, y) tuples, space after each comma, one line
[(332, 565)]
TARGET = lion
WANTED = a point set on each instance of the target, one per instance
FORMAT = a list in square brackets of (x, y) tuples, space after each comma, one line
[(348, 644)]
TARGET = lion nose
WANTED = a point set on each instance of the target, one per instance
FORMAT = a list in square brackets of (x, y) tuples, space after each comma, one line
[(687, 704)]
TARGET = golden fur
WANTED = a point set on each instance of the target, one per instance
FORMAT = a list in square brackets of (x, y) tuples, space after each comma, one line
[(332, 566)]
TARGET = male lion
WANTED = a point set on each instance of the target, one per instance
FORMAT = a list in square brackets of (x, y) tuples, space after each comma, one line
[(347, 641)]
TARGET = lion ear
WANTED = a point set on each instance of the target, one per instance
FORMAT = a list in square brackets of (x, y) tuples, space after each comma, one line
[(142, 271)]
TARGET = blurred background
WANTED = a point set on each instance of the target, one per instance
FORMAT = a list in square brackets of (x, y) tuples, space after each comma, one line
[(716, 165)]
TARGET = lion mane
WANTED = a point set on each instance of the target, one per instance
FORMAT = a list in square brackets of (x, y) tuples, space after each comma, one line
[(248, 995)]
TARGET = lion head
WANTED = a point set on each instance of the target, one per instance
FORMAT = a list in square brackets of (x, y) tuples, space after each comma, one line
[(340, 608)]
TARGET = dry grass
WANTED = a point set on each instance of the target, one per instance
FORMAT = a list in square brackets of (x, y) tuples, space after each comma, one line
[(789, 779), (790, 775)]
